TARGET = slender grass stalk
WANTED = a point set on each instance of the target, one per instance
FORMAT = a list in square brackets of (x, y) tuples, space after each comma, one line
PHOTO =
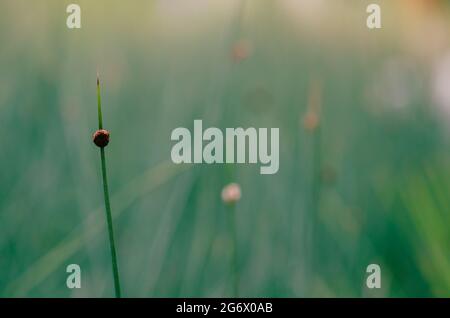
[(107, 203), (316, 189), (234, 255)]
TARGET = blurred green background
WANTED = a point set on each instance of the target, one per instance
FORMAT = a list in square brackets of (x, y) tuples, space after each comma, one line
[(364, 118)]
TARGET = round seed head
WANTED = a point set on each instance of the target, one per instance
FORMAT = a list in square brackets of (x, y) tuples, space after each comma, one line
[(101, 138), (231, 193)]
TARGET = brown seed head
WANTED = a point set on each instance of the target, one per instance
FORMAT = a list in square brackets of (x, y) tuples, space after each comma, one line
[(101, 138)]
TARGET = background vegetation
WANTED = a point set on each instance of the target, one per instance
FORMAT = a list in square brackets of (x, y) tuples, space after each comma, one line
[(369, 184)]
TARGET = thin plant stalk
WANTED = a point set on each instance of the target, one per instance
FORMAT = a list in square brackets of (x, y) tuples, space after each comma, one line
[(315, 105), (234, 254), (107, 202)]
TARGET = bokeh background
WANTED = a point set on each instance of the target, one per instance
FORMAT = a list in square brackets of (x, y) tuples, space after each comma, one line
[(364, 118)]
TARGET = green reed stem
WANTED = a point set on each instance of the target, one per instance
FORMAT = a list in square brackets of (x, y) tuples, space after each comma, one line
[(234, 254), (107, 203)]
